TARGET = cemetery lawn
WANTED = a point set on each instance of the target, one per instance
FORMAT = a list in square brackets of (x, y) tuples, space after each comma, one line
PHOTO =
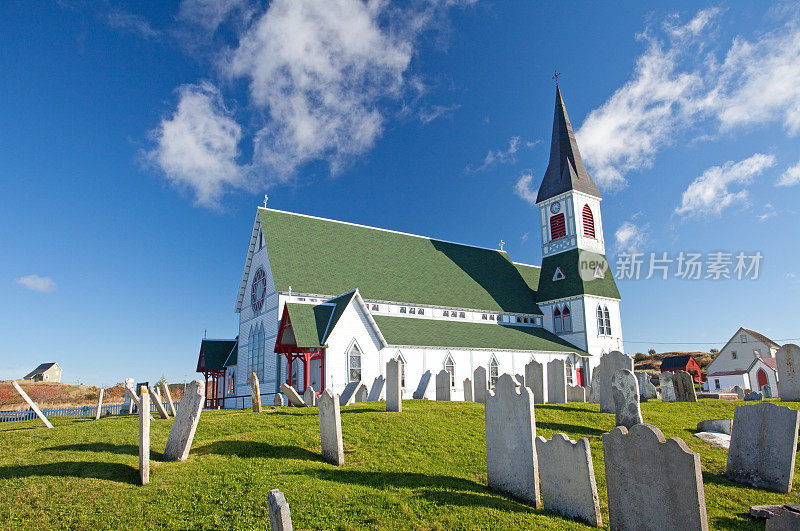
[(424, 468)]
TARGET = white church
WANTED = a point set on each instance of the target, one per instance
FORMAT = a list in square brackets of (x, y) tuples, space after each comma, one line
[(323, 302)]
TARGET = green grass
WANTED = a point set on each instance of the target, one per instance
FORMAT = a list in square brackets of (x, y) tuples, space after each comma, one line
[(424, 468)]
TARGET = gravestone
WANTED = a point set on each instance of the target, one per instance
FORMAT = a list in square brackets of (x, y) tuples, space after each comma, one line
[(667, 387), (294, 397), (716, 425), (626, 399), (422, 388), (763, 446), (520, 378), (309, 396), (511, 464), (534, 380), (278, 400), (556, 382), (394, 392), (785, 521), (567, 477), (99, 405), (443, 389), (348, 395), (652, 483), (184, 426), (255, 393), (788, 358), (162, 412), (168, 398), (376, 393), (330, 428), (480, 384), (752, 396), (684, 387), (647, 391), (576, 393), (609, 364), (720, 440), (144, 437), (739, 392), (468, 390), (280, 517), (362, 393)]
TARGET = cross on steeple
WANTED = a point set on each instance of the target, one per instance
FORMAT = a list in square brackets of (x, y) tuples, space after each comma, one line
[(556, 73), (266, 197), (502, 243)]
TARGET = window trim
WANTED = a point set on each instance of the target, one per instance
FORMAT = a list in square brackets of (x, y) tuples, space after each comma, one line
[(354, 344), (561, 226), (587, 217), (452, 370)]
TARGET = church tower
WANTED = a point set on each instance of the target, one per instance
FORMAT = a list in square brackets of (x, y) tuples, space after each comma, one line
[(576, 292)]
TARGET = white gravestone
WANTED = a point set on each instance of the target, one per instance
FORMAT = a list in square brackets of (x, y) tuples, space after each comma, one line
[(480, 384), (443, 389), (294, 397), (255, 393), (394, 392), (556, 382), (184, 426), (647, 390), (31, 404), (168, 398), (362, 393), (162, 412), (144, 437), (567, 478), (652, 483), (348, 395), (309, 397), (468, 390), (330, 428), (99, 405), (534, 380), (576, 393), (684, 387), (511, 464), (609, 364), (278, 400), (667, 387), (626, 399), (376, 393), (788, 358), (280, 517), (422, 388), (763, 446)]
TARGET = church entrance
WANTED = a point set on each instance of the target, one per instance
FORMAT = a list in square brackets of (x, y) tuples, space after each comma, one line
[(761, 376)]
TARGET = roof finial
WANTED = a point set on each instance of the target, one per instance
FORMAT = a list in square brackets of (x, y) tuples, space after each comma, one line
[(556, 73), (502, 243), (266, 198)]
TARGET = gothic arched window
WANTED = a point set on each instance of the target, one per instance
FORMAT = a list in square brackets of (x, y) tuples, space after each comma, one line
[(607, 319), (402, 361), (450, 366), (494, 371), (601, 328), (558, 228), (558, 324), (566, 317), (354, 364), (588, 222)]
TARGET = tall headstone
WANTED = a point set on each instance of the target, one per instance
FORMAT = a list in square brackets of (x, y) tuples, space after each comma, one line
[(394, 391), (309, 396), (652, 483), (144, 437), (576, 393), (99, 404), (626, 399), (422, 388), (330, 427), (376, 393), (511, 463), (684, 387), (468, 396), (763, 446), (291, 393), (168, 398), (567, 477), (788, 358), (362, 393), (443, 389), (278, 400), (609, 364), (348, 395), (480, 384), (162, 412), (556, 382), (31, 404), (647, 390), (667, 387), (280, 517), (534, 380), (255, 393), (184, 426)]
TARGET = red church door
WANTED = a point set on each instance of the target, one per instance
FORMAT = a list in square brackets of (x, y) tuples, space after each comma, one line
[(579, 377), (762, 378)]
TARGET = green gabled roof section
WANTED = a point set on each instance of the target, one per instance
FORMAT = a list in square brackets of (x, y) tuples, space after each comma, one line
[(309, 323), (339, 305), (216, 354), (573, 284), (319, 256), (406, 331)]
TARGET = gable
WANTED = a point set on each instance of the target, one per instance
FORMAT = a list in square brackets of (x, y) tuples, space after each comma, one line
[(575, 281)]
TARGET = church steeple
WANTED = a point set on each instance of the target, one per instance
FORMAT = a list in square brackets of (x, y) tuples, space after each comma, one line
[(565, 171)]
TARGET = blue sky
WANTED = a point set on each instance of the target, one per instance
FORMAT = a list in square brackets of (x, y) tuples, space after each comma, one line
[(138, 140)]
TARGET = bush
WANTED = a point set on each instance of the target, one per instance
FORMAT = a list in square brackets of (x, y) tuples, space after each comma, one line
[(639, 357), (652, 351)]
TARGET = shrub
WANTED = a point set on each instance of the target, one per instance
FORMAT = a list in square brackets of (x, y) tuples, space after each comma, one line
[(639, 357), (652, 351)]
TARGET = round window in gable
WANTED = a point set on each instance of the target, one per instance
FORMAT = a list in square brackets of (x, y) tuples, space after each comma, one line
[(259, 290)]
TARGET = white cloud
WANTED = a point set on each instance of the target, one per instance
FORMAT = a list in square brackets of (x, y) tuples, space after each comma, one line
[(123, 20), (210, 14), (198, 145), (524, 188), (37, 283), (790, 177), (525, 236), (430, 114), (767, 211), (630, 237), (709, 194), (501, 156)]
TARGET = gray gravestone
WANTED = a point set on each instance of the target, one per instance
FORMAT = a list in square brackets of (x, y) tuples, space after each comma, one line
[(480, 384), (609, 364), (168, 398), (556, 382), (394, 392), (162, 412), (716, 425), (753, 396), (511, 464), (684, 387), (626, 399), (567, 478), (520, 378), (763, 446), (144, 437), (280, 517), (785, 521), (788, 358), (255, 393), (422, 388), (739, 391), (652, 483), (667, 387), (309, 396), (348, 395), (443, 389), (468, 390), (534, 380), (99, 405), (647, 391), (278, 400), (183, 428), (294, 397), (362, 393), (330, 428), (376, 393), (576, 393)]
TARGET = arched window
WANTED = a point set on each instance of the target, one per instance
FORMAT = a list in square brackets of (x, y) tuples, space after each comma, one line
[(607, 319), (494, 371), (255, 349), (354, 363), (588, 222), (568, 369), (402, 361), (558, 228), (601, 327), (450, 366), (566, 316), (558, 324)]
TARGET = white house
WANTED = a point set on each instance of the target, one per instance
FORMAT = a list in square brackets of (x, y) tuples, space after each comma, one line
[(746, 360)]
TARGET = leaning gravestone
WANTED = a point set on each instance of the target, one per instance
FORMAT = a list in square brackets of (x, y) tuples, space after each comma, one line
[(556, 382), (255, 393), (716, 425), (788, 358), (394, 392), (99, 405), (278, 400), (667, 387), (468, 390), (511, 464), (330, 428), (684, 387), (480, 385), (652, 483), (576, 393), (168, 398), (647, 391), (534, 380), (309, 396), (422, 388), (144, 437), (785, 521), (763, 446), (376, 393), (609, 364), (626, 399), (567, 478), (443, 389), (348, 395), (294, 397), (280, 517), (162, 412), (181, 434), (739, 391)]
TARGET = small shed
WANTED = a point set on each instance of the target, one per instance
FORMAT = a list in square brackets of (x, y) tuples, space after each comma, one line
[(45, 372), (682, 363)]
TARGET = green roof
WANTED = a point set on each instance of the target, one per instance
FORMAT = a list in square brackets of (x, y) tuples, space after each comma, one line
[(325, 257), (453, 334), (309, 323), (216, 354), (572, 284)]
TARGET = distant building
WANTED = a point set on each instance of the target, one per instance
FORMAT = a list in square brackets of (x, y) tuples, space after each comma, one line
[(46, 372), (746, 360), (217, 361), (682, 363)]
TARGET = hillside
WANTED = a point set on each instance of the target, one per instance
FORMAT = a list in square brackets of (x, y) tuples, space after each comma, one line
[(652, 362), (56, 395)]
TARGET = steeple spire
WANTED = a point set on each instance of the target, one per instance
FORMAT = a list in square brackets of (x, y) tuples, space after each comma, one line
[(565, 171)]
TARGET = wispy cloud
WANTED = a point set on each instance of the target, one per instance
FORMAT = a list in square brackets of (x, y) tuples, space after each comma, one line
[(210, 14), (427, 115), (123, 20), (503, 156), (768, 211), (37, 283), (524, 187), (790, 177), (631, 237)]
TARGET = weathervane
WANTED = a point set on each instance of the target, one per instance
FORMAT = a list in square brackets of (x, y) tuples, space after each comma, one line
[(502, 243), (556, 73)]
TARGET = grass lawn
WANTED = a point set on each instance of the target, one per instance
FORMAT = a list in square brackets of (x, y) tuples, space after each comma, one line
[(424, 468)]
